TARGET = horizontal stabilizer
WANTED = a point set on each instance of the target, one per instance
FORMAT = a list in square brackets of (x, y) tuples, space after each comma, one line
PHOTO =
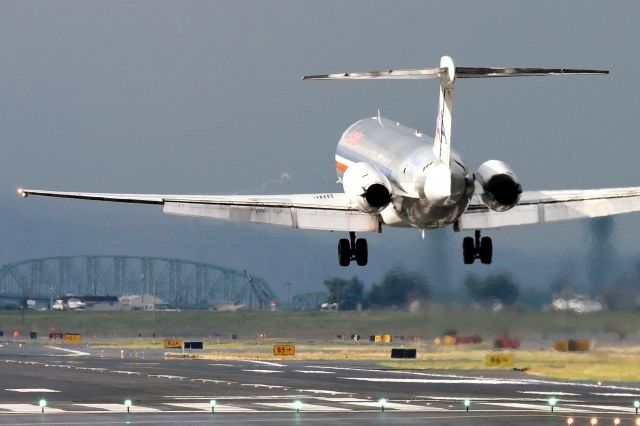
[(460, 72)]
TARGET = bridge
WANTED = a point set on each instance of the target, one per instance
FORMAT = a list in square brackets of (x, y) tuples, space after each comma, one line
[(181, 283)]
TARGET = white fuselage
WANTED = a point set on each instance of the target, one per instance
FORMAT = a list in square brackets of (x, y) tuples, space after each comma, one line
[(404, 155)]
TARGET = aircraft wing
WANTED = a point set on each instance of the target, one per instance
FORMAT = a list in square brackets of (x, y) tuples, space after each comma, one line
[(330, 211), (552, 206)]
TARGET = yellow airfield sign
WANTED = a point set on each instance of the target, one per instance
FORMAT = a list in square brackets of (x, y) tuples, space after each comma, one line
[(173, 343), (72, 338), (280, 349), (498, 359)]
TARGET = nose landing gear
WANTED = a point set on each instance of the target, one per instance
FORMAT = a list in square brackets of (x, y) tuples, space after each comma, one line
[(477, 248), (353, 249)]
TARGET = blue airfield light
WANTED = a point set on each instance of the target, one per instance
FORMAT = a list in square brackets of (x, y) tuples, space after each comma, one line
[(42, 403), (212, 403), (467, 403), (636, 404), (382, 402), (552, 402), (127, 403), (297, 404)]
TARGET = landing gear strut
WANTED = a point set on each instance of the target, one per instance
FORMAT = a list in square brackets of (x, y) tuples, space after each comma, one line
[(477, 248), (353, 249)]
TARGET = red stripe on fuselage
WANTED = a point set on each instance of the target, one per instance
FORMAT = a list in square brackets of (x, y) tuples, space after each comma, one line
[(341, 167)]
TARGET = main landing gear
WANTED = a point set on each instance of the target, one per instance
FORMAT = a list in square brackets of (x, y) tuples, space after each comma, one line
[(478, 248), (353, 249)]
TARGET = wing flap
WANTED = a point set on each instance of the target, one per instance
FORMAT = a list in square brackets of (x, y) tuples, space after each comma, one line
[(292, 217), (553, 206)]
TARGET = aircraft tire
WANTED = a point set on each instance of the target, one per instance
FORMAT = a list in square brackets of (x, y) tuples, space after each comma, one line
[(486, 250), (362, 252), (344, 252), (468, 250)]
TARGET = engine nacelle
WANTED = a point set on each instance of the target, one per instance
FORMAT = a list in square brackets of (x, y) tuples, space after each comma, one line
[(367, 187), (501, 188)]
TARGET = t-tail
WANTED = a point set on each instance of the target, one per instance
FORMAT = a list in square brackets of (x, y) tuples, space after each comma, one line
[(438, 174)]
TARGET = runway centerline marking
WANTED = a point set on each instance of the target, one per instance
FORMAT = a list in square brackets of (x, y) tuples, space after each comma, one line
[(314, 371), (34, 390), (264, 371)]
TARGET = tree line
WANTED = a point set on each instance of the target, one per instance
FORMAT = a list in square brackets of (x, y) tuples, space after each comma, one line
[(399, 288)]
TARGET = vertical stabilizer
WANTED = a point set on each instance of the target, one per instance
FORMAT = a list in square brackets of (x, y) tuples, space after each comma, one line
[(442, 142)]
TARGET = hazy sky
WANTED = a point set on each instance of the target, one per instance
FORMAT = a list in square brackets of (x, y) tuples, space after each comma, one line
[(206, 97)]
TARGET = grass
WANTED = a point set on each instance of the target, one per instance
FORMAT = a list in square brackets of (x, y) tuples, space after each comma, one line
[(314, 334), (323, 326)]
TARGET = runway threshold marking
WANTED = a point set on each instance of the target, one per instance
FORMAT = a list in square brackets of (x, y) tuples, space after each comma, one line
[(28, 408), (396, 406), (70, 351), (304, 407), (205, 406), (34, 390), (120, 408)]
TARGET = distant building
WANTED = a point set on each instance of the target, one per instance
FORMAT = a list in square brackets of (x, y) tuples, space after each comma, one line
[(142, 302)]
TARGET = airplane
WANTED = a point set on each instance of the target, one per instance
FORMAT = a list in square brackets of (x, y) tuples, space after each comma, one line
[(394, 175)]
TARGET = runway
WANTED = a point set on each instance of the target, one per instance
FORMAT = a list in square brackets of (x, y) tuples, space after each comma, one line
[(89, 386)]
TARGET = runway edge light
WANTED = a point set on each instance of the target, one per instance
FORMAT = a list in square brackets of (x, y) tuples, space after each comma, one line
[(570, 421), (212, 403), (127, 403), (467, 403), (636, 405), (42, 403), (297, 404), (382, 402), (552, 402)]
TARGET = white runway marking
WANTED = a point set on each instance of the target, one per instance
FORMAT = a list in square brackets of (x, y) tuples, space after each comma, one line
[(314, 371), (549, 393), (341, 399), (534, 407), (35, 390), (263, 371), (221, 365), (629, 395), (28, 408), (120, 408), (272, 364), (71, 351), (205, 406), (396, 407), (608, 408), (323, 391), (304, 407)]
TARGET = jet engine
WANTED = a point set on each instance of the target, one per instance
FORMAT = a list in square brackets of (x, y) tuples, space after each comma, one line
[(369, 188), (501, 189)]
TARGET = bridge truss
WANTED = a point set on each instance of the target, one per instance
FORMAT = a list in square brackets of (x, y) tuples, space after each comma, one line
[(181, 283)]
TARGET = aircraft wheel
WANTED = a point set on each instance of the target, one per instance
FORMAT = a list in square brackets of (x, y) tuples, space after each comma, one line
[(468, 250), (362, 252), (344, 252), (486, 250)]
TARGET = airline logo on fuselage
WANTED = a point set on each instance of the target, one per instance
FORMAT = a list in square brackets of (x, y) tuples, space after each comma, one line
[(354, 137)]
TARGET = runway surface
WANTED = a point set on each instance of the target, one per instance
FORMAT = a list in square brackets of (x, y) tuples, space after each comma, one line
[(89, 386)]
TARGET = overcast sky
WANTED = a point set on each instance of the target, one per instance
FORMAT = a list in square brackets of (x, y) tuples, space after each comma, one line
[(206, 97)]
